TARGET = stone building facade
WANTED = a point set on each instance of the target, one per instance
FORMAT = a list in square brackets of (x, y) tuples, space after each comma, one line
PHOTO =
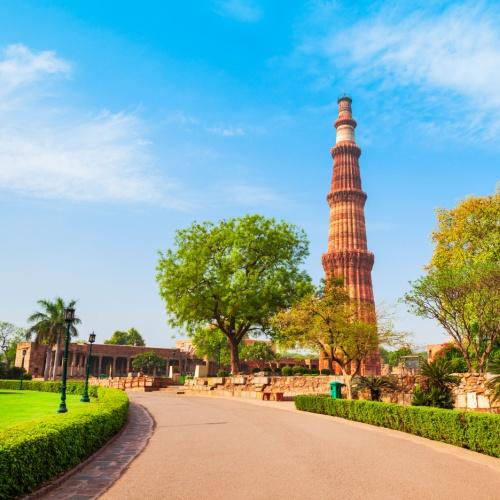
[(107, 359), (348, 256)]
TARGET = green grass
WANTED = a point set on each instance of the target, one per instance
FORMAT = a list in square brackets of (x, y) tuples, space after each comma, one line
[(18, 407)]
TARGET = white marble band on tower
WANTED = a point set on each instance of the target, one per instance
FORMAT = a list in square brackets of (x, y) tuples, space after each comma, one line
[(345, 133)]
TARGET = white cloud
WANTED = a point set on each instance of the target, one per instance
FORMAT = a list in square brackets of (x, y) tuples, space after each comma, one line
[(226, 131), (62, 153), (241, 10), (20, 66), (449, 60)]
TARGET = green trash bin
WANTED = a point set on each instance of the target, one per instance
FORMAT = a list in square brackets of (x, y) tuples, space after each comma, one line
[(336, 389)]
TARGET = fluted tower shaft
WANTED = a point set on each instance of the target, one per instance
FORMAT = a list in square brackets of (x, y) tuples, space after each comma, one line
[(348, 256)]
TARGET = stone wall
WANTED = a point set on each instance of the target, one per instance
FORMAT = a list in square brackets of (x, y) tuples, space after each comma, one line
[(141, 383), (470, 394), (253, 387)]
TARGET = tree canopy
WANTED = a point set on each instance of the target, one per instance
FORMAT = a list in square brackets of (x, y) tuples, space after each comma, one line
[(234, 275), (260, 352), (212, 343), (468, 234), (329, 321), (129, 337), (461, 289), (10, 336), (148, 362)]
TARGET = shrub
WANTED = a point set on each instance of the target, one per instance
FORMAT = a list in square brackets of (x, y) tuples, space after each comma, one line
[(475, 431), (438, 382), (222, 373), (375, 385), (13, 372), (298, 370), (286, 371), (314, 371), (256, 370), (325, 371), (32, 453)]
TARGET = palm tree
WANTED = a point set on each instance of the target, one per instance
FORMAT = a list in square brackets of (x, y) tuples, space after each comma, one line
[(439, 373), (437, 384), (49, 328), (375, 385)]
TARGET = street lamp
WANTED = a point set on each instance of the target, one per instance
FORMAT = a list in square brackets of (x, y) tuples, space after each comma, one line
[(22, 370), (69, 317), (85, 397)]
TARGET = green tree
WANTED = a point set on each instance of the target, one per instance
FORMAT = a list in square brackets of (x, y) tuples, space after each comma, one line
[(129, 337), (234, 275), (461, 290), (465, 302), (468, 234), (48, 327), (212, 343), (455, 357), (148, 362), (260, 352), (10, 336), (329, 321), (394, 357)]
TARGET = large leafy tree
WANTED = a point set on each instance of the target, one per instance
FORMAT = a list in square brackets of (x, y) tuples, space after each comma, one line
[(148, 362), (234, 275), (212, 343), (48, 327), (461, 289), (129, 337), (10, 336), (343, 330), (468, 234), (260, 352)]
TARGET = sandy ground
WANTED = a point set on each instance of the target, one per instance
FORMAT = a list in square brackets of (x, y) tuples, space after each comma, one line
[(215, 448)]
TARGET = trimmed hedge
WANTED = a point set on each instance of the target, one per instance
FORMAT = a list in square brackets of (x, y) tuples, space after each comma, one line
[(31, 454), (476, 431)]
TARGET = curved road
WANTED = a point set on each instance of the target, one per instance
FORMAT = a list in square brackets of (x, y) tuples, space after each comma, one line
[(214, 448)]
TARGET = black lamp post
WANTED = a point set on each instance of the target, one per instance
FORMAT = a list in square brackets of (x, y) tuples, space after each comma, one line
[(85, 397), (22, 370), (69, 317)]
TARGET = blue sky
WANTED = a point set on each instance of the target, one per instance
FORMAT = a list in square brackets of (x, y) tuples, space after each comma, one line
[(121, 122)]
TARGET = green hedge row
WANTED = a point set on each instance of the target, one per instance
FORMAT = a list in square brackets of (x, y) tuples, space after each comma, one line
[(41, 386), (475, 431), (31, 454)]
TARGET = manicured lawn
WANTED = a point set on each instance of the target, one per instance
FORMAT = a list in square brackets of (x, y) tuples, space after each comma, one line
[(17, 407)]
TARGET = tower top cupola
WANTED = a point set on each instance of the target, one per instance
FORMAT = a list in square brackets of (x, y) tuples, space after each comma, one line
[(345, 124)]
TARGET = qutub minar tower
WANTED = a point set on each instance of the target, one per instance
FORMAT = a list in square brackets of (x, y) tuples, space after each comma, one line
[(348, 256)]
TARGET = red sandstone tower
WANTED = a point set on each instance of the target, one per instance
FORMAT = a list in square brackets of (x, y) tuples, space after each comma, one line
[(348, 256)]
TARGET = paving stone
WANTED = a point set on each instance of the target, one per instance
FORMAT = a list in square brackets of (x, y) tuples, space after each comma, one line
[(101, 472)]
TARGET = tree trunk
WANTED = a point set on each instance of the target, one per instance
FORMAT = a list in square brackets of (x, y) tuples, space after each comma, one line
[(330, 365), (348, 383), (235, 356), (48, 359), (56, 360)]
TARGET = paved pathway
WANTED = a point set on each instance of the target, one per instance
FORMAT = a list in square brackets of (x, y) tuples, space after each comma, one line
[(210, 448), (104, 468)]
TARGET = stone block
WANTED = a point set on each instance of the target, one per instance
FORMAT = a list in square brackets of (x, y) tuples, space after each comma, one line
[(483, 402), (201, 371), (260, 380), (471, 400), (461, 401), (240, 380)]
